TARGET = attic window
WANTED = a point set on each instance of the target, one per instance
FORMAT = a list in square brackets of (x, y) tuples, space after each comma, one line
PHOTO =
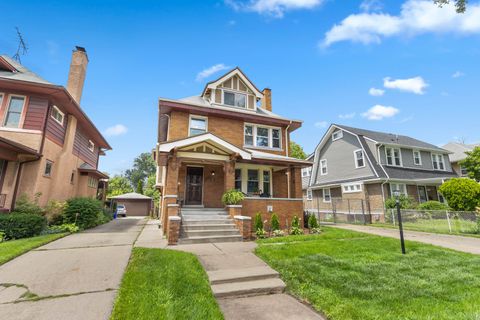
[(337, 135), (91, 145), (57, 115), (234, 99)]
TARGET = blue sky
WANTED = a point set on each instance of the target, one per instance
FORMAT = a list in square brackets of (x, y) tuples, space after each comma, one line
[(320, 58)]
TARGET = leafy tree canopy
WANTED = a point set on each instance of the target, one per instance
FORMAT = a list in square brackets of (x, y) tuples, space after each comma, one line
[(296, 151), (461, 5), (118, 185), (462, 194), (151, 191), (472, 163), (143, 167)]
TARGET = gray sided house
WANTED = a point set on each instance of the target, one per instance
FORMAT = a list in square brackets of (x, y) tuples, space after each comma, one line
[(356, 170)]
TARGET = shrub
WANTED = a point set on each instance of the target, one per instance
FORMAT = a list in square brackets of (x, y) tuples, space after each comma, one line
[(2, 236), (315, 230), (296, 231), (275, 223), (261, 233), (21, 225), (26, 206), (312, 222), (462, 194), (84, 212), (278, 233), (66, 227), (54, 212), (258, 223), (433, 205), (295, 222), (406, 202), (232, 197)]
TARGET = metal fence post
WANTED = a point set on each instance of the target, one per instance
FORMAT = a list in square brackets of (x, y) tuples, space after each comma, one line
[(448, 220)]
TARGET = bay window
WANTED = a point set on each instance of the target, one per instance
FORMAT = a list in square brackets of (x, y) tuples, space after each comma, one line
[(262, 136)]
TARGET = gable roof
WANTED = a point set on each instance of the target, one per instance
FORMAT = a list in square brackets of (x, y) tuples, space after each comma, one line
[(131, 196), (458, 150), (391, 138), (235, 71), (19, 72)]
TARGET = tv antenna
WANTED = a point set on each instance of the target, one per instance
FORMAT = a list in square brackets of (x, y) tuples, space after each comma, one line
[(22, 47)]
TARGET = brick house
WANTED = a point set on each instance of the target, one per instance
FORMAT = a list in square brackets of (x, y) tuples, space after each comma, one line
[(226, 138), (48, 145), (356, 170)]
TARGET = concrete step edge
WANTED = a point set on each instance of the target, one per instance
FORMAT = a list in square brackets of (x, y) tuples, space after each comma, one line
[(241, 275), (248, 288)]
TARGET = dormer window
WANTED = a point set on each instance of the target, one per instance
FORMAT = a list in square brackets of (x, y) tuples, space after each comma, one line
[(234, 99)]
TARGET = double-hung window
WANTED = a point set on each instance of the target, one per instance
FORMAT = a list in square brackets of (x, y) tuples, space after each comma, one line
[(359, 159), (198, 125), (91, 145), (266, 182), (306, 172), (323, 167), (438, 162), (417, 158), (400, 187), (263, 137), (14, 112), (252, 183), (57, 115), (238, 179), (327, 197), (309, 194), (393, 157), (235, 99)]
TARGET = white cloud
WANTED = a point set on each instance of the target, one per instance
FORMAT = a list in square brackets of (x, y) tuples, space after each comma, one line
[(116, 130), (205, 73), (416, 17), (378, 112), (275, 8), (376, 92), (458, 74), (321, 124), (415, 85), (347, 115), (371, 5)]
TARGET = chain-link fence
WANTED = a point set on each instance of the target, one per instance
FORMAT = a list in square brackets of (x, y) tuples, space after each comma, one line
[(437, 221)]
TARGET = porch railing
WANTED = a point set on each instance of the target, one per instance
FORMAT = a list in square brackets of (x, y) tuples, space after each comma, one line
[(3, 198)]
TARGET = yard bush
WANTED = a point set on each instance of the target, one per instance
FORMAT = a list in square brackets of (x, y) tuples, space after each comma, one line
[(406, 202), (232, 197), (274, 222), (84, 212), (258, 223), (21, 225), (54, 212), (433, 205), (26, 206), (312, 222), (296, 230), (295, 222), (66, 227), (462, 194)]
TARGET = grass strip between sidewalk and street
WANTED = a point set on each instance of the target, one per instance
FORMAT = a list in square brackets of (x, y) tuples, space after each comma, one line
[(165, 284), (352, 275), (13, 248)]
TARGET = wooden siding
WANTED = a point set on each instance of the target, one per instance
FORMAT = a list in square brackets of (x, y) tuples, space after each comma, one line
[(80, 148), (55, 131), (36, 113)]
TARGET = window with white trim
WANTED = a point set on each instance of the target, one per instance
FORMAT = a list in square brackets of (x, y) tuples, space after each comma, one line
[(438, 161), (266, 182), (337, 135), (323, 167), (359, 159), (309, 194), (235, 99), (327, 196), (14, 112), (57, 115), (238, 179), (306, 172), (352, 187), (400, 187), (393, 157), (91, 145), (197, 125), (48, 168), (252, 182), (417, 158), (262, 137)]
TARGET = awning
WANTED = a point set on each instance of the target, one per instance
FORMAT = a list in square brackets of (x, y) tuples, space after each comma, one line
[(86, 168)]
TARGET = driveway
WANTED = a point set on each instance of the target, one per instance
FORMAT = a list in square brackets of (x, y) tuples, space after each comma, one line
[(459, 243), (76, 277)]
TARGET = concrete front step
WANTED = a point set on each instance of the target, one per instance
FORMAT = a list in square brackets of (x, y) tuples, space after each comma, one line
[(248, 288), (241, 275), (190, 221), (205, 217), (210, 233), (208, 239), (208, 226)]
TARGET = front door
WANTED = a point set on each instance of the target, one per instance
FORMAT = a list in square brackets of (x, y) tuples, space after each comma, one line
[(422, 194), (194, 186)]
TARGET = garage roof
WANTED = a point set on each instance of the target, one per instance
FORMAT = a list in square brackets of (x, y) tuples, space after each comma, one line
[(131, 196)]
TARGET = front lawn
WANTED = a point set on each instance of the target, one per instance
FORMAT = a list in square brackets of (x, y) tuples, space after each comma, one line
[(164, 284), (14, 248), (459, 227), (352, 275)]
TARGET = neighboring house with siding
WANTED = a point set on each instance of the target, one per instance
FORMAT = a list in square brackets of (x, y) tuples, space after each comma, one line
[(226, 138), (355, 170), (48, 145), (458, 153)]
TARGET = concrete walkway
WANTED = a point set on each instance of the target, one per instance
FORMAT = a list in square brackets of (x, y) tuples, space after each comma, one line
[(459, 243), (75, 277), (232, 267)]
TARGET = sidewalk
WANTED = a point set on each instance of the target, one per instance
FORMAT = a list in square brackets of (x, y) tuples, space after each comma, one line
[(459, 243), (73, 278)]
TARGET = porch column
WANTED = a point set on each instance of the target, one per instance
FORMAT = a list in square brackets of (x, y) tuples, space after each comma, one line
[(171, 192), (295, 182), (229, 169)]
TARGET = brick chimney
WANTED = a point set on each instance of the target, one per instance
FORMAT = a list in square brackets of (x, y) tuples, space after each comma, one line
[(267, 99), (76, 75)]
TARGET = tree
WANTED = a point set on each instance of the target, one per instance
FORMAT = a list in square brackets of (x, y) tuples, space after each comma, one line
[(139, 187), (151, 191), (472, 163), (461, 5), (462, 194), (118, 185), (296, 151), (143, 167)]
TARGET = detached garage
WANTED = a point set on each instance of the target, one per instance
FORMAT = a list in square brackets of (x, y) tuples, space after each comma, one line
[(135, 203)]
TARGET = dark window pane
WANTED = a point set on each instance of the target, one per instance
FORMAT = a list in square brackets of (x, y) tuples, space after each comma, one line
[(229, 98)]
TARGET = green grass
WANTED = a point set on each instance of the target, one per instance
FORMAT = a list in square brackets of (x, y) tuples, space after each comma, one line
[(14, 248), (352, 275), (164, 284), (459, 227)]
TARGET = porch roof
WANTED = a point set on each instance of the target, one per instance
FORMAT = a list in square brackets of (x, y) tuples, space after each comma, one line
[(85, 167), (17, 147)]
